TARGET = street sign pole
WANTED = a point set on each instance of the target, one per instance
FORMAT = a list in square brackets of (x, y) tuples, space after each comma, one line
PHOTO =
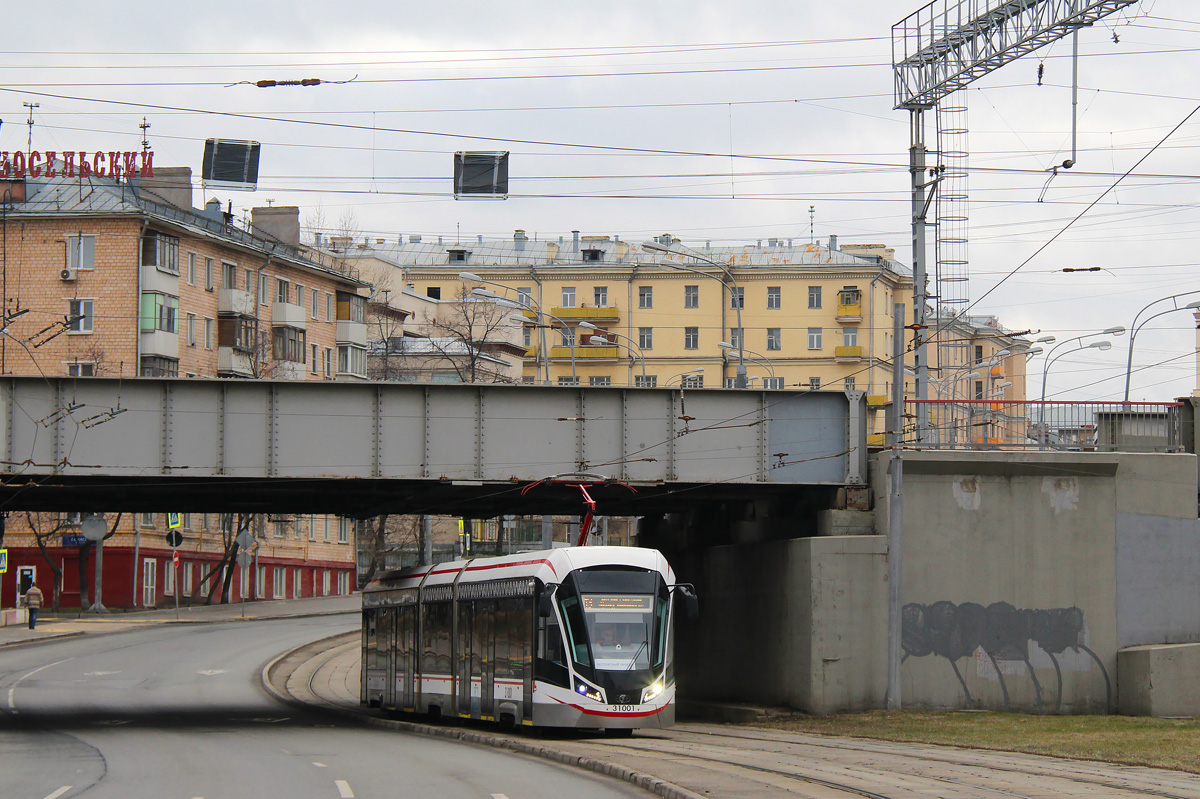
[(175, 566)]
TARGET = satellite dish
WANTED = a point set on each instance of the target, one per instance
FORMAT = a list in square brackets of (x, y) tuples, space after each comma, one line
[(93, 527), (481, 175), (230, 164)]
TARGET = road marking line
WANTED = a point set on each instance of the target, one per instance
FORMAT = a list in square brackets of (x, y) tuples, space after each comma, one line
[(319, 765), (344, 789), (499, 796), (59, 792), (11, 706)]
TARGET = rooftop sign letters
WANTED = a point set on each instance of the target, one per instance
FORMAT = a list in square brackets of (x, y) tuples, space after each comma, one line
[(77, 164)]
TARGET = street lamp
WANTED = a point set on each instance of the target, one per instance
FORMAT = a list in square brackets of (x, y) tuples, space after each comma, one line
[(1108, 331), (504, 303), (682, 376), (734, 291), (640, 355), (1135, 327), (755, 356)]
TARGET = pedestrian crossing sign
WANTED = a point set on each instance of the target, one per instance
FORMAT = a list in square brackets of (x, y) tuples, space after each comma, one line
[(174, 521), (3, 561)]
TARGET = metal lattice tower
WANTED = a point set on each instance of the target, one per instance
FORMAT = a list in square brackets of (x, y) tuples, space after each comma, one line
[(951, 239)]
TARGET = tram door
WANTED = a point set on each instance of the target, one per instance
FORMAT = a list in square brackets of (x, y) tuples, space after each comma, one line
[(462, 648), (406, 637), (483, 662), (474, 672), (386, 626)]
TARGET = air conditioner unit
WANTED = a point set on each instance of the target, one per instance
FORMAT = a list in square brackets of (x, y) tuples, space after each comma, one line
[(67, 274)]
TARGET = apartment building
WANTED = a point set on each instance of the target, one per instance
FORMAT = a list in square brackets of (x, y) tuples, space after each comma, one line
[(123, 277), (601, 311)]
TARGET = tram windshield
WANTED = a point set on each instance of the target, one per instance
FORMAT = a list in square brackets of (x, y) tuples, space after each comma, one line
[(622, 615)]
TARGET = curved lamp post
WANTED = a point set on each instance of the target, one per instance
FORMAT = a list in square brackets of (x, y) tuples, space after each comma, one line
[(603, 334), (740, 380), (504, 303), (1136, 326), (1050, 358), (757, 357), (682, 375), (471, 277)]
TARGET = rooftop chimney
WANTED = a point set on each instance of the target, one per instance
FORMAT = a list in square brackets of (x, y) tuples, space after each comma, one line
[(279, 223), (171, 185), (833, 242), (519, 238), (575, 240)]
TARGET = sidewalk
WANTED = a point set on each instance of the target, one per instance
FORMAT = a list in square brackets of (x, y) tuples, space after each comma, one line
[(52, 625)]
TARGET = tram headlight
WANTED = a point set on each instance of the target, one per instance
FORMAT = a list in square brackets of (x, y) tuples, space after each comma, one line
[(653, 691), (591, 692)]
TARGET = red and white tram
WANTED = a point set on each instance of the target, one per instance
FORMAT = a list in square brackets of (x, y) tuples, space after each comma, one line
[(571, 637)]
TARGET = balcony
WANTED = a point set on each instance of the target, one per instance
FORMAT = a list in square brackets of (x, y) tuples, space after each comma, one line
[(235, 363), (235, 302), (288, 315), (877, 400), (160, 342), (589, 352), (848, 354), (849, 312), (608, 313), (351, 333)]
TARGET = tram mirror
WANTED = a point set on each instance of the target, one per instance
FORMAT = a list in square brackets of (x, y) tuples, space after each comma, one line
[(691, 604), (546, 601)]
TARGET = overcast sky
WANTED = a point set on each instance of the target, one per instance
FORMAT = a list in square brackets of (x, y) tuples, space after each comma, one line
[(710, 120)]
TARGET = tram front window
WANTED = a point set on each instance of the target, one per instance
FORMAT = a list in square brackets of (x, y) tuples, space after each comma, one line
[(622, 630)]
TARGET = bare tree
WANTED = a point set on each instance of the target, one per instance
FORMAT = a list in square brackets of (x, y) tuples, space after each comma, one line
[(387, 534), (44, 529), (468, 337)]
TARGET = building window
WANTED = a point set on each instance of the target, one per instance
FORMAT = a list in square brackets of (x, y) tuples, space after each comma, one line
[(646, 337), (735, 337), (568, 381), (774, 338), (600, 296), (774, 297), (434, 292), (731, 382), (599, 380), (352, 360), (187, 569), (278, 582), (280, 524), (814, 338), (343, 583), (191, 268), (737, 297), (282, 290), (264, 283), (81, 369), (208, 274), (208, 333), (645, 296), (161, 252), (691, 296), (978, 389), (316, 295), (978, 354), (457, 256), (691, 338), (849, 381), (593, 255), (527, 335), (81, 252), (344, 530), (850, 336), (814, 296), (260, 582), (772, 383), (237, 332), (158, 366), (850, 295), (351, 307), (160, 312), (814, 383), (146, 520), (328, 307), (692, 381), (297, 582), (645, 381), (325, 582), (568, 296), (249, 280), (80, 316), (315, 359), (289, 344), (328, 362), (168, 580), (300, 295), (191, 330), (229, 274), (568, 336), (525, 296)]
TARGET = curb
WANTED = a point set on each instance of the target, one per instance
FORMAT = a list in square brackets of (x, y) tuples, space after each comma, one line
[(41, 639), (657, 786)]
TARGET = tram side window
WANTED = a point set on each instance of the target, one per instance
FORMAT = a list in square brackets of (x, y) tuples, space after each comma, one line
[(512, 638), (576, 631), (551, 662), (435, 638), (502, 665), (372, 638)]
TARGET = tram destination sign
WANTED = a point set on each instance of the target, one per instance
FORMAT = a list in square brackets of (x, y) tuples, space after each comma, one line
[(640, 603)]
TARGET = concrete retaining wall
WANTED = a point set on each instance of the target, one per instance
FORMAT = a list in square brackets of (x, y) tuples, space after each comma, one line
[(1159, 680)]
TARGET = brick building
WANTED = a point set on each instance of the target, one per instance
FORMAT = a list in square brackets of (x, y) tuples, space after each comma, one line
[(125, 278)]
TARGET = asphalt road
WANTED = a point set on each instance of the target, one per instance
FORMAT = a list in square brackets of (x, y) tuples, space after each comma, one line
[(166, 711)]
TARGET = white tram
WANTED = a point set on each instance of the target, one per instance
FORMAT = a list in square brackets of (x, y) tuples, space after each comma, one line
[(572, 637)]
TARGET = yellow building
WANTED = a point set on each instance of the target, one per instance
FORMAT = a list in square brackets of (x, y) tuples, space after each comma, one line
[(601, 311)]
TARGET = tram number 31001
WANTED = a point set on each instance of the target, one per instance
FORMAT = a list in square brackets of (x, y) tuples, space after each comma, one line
[(625, 708)]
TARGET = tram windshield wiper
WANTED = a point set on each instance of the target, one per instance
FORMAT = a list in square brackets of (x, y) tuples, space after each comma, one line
[(641, 646)]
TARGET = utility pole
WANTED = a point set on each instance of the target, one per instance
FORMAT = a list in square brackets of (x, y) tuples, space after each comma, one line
[(29, 145)]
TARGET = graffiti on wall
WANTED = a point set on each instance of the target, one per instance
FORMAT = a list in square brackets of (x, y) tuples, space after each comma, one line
[(1002, 633)]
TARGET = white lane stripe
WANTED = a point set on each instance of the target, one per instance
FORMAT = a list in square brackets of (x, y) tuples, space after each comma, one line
[(319, 765), (13, 708), (344, 789), (499, 796), (59, 792)]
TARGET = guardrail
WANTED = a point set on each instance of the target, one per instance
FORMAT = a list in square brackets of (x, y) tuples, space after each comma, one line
[(1030, 424)]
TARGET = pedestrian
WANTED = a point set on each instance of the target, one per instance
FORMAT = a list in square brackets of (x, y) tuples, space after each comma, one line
[(33, 603)]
